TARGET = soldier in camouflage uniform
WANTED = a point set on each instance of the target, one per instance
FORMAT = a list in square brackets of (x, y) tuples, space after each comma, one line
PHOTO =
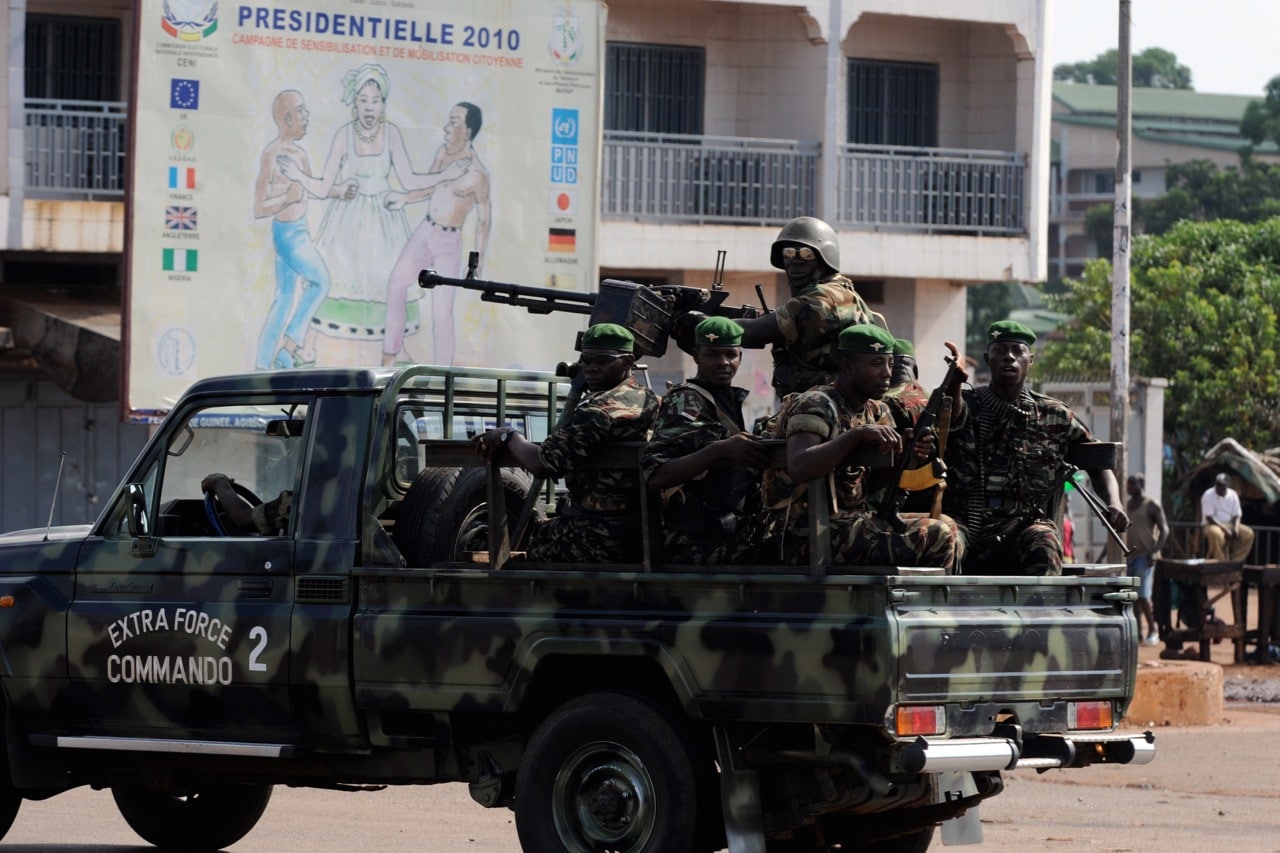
[(596, 522), (821, 427), (906, 397), (702, 458), (1005, 461), (804, 329)]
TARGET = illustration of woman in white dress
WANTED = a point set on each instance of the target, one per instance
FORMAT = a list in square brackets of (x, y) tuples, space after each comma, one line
[(360, 236)]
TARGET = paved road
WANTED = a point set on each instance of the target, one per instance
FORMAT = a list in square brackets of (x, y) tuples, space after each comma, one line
[(1211, 788)]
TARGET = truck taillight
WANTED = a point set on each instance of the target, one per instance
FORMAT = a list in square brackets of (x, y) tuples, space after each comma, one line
[(1089, 715), (920, 720)]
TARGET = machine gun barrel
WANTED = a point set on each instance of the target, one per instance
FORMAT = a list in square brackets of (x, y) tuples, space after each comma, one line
[(537, 300)]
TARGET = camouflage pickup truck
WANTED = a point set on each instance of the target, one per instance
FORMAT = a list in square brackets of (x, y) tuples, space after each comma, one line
[(381, 636)]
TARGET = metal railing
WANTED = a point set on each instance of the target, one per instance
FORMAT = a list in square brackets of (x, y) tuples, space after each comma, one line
[(1186, 542), (705, 179), (74, 149), (934, 190)]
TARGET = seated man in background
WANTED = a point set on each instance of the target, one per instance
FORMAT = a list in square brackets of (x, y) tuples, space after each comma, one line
[(598, 521), (1227, 538), (701, 457), (821, 427)]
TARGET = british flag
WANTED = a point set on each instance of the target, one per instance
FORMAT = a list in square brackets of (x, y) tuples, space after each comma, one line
[(180, 218)]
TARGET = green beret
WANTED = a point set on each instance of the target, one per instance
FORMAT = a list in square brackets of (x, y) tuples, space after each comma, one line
[(609, 336), (1010, 330), (865, 337), (902, 346), (718, 332)]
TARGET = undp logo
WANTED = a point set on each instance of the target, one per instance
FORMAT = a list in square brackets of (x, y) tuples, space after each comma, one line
[(564, 127)]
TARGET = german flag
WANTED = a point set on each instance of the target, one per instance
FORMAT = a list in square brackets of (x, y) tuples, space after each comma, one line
[(562, 240)]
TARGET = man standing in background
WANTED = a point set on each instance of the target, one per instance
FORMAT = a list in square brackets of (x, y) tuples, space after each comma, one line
[(1147, 533)]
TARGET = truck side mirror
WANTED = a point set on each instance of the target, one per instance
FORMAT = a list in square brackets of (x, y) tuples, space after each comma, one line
[(139, 526)]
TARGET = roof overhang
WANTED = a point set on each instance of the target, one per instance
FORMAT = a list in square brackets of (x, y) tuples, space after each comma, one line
[(73, 337)]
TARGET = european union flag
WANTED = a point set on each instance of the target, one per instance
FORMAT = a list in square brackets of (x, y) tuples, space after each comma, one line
[(184, 94)]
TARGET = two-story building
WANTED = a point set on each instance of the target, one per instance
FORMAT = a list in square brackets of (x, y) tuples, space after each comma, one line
[(919, 130), (1169, 126)]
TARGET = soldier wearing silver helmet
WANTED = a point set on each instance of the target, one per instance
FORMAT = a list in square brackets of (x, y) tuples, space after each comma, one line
[(804, 329)]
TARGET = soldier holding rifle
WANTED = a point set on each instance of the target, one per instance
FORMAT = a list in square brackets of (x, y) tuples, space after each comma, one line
[(1007, 449), (822, 426)]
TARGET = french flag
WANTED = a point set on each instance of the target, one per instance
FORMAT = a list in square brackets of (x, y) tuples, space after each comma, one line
[(181, 178)]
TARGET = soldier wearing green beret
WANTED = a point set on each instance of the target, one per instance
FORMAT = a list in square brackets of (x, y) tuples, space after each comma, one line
[(703, 460), (596, 522), (1005, 459), (804, 328), (821, 427)]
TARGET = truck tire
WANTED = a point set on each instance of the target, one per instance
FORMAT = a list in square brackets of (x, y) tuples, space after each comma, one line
[(444, 514), (10, 800), (202, 819), (607, 771)]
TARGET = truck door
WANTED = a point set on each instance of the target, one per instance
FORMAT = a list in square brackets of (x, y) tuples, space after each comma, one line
[(179, 625)]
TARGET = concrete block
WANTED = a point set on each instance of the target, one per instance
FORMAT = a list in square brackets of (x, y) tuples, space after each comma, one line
[(1177, 693)]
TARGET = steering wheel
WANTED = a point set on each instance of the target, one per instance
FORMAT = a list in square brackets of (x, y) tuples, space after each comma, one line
[(218, 518)]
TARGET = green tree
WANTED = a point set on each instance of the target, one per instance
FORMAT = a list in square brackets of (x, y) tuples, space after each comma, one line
[(1261, 121), (1198, 190), (1153, 68), (985, 304), (1204, 301)]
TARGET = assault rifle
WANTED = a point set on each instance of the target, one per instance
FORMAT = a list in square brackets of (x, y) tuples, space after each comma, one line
[(938, 407), (649, 311)]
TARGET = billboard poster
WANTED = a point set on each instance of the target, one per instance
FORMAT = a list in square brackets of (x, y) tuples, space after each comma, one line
[(296, 164)]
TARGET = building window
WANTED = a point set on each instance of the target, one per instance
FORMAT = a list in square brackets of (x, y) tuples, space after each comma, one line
[(1104, 183), (654, 88), (893, 103), (73, 58)]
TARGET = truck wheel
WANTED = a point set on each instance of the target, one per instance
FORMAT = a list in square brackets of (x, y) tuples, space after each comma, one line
[(202, 819), (10, 800), (607, 772), (445, 514)]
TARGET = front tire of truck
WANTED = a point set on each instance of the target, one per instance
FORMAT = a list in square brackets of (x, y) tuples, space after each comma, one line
[(607, 771), (200, 819), (444, 514)]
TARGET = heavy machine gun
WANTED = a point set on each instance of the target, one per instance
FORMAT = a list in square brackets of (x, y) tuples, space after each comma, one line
[(650, 312)]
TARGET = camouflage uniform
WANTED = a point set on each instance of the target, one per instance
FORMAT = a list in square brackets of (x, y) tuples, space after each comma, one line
[(597, 522), (858, 536), (906, 402), (1004, 464), (811, 321), (707, 519)]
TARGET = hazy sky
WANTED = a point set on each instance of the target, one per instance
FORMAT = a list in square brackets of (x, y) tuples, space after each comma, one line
[(1231, 46)]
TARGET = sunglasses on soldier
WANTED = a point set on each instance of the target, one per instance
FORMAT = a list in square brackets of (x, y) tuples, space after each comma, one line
[(804, 252), (598, 360)]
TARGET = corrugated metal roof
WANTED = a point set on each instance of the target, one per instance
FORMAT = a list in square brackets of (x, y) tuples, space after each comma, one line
[(1182, 104)]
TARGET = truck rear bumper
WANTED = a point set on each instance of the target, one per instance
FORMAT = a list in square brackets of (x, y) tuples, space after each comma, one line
[(1039, 752)]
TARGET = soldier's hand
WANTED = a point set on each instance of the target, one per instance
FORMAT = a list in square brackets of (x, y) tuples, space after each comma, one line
[(743, 450), (883, 436), (488, 444), (683, 327), (211, 482), (926, 444)]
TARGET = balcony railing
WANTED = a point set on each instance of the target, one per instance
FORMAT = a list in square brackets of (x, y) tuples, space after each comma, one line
[(653, 177), (74, 149), (934, 190)]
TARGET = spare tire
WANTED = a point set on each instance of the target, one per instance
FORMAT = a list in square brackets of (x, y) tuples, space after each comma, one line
[(445, 515)]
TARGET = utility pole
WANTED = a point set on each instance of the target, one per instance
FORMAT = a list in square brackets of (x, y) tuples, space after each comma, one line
[(1121, 248)]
